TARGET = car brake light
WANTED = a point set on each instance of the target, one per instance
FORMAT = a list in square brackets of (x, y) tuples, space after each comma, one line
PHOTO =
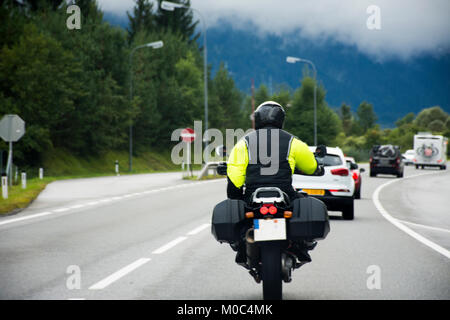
[(439, 161), (340, 172), (264, 210), (272, 210), (339, 190)]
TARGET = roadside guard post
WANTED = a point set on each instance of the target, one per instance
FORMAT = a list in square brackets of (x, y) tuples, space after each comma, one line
[(117, 167), (188, 136), (5, 187), (24, 180), (41, 173)]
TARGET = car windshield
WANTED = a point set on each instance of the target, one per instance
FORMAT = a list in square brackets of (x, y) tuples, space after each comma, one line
[(330, 160)]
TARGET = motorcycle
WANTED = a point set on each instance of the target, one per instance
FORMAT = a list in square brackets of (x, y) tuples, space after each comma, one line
[(272, 227)]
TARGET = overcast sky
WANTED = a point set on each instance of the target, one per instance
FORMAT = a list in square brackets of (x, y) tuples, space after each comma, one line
[(408, 27)]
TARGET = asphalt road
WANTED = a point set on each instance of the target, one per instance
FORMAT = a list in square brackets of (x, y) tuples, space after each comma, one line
[(148, 237)]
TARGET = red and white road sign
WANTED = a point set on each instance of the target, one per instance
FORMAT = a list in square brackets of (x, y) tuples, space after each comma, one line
[(188, 135)]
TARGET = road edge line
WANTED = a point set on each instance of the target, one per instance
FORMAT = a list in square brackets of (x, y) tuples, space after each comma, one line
[(398, 224)]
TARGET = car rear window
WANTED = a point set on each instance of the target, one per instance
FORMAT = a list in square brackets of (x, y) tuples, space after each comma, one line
[(330, 160)]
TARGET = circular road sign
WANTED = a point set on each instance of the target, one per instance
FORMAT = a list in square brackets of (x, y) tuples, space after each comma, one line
[(188, 135)]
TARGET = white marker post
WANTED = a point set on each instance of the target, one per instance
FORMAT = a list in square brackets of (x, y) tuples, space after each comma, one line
[(5, 187), (41, 173), (24, 180), (117, 168)]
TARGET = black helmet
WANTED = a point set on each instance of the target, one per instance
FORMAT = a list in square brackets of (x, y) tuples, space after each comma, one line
[(269, 113)]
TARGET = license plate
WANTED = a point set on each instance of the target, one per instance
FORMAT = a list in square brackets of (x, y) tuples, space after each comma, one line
[(316, 192), (269, 229)]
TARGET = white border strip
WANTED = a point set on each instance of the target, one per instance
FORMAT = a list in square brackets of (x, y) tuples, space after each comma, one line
[(398, 224)]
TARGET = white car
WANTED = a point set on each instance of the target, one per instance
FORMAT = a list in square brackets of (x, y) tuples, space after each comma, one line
[(408, 157), (335, 188)]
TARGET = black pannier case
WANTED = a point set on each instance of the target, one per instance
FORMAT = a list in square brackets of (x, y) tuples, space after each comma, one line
[(309, 220), (226, 219)]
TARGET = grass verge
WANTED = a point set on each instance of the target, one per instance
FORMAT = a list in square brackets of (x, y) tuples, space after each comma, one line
[(19, 198)]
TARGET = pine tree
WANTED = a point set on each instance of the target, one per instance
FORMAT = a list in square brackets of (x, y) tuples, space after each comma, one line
[(142, 19)]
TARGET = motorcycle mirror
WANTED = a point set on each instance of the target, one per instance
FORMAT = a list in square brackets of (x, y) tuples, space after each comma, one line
[(222, 169), (321, 151)]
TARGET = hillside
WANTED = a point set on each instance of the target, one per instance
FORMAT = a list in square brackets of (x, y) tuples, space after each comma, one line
[(394, 87)]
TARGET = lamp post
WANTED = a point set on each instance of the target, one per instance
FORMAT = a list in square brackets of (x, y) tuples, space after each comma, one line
[(153, 45), (171, 6), (294, 60)]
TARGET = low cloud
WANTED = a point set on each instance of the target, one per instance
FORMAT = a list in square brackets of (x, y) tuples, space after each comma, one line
[(408, 27)]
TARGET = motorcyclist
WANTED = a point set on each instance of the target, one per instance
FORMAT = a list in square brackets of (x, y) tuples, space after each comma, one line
[(245, 165)]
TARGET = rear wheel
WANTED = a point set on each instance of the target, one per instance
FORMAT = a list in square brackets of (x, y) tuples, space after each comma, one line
[(417, 167), (271, 271), (348, 212), (373, 174)]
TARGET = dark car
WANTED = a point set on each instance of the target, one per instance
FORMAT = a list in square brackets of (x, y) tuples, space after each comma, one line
[(386, 159)]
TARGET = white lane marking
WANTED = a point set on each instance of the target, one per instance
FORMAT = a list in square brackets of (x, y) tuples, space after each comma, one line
[(27, 217), (169, 245), (119, 274), (92, 203), (424, 226), (61, 209), (76, 299), (198, 229), (77, 206), (395, 222)]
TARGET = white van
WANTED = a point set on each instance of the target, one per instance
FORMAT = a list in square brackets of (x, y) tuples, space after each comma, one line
[(430, 150)]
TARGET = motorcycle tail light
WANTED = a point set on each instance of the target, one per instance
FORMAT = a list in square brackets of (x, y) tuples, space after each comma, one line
[(355, 176), (340, 172), (264, 210), (272, 210)]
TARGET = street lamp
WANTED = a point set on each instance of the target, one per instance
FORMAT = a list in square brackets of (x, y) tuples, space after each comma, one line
[(153, 45), (294, 60), (171, 6)]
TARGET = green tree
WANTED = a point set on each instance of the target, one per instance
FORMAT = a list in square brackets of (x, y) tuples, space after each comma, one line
[(428, 115), (143, 19), (300, 116), (366, 116), (409, 118), (225, 102), (346, 116)]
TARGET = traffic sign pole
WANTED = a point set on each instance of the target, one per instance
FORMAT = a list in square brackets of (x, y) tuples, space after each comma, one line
[(12, 128)]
